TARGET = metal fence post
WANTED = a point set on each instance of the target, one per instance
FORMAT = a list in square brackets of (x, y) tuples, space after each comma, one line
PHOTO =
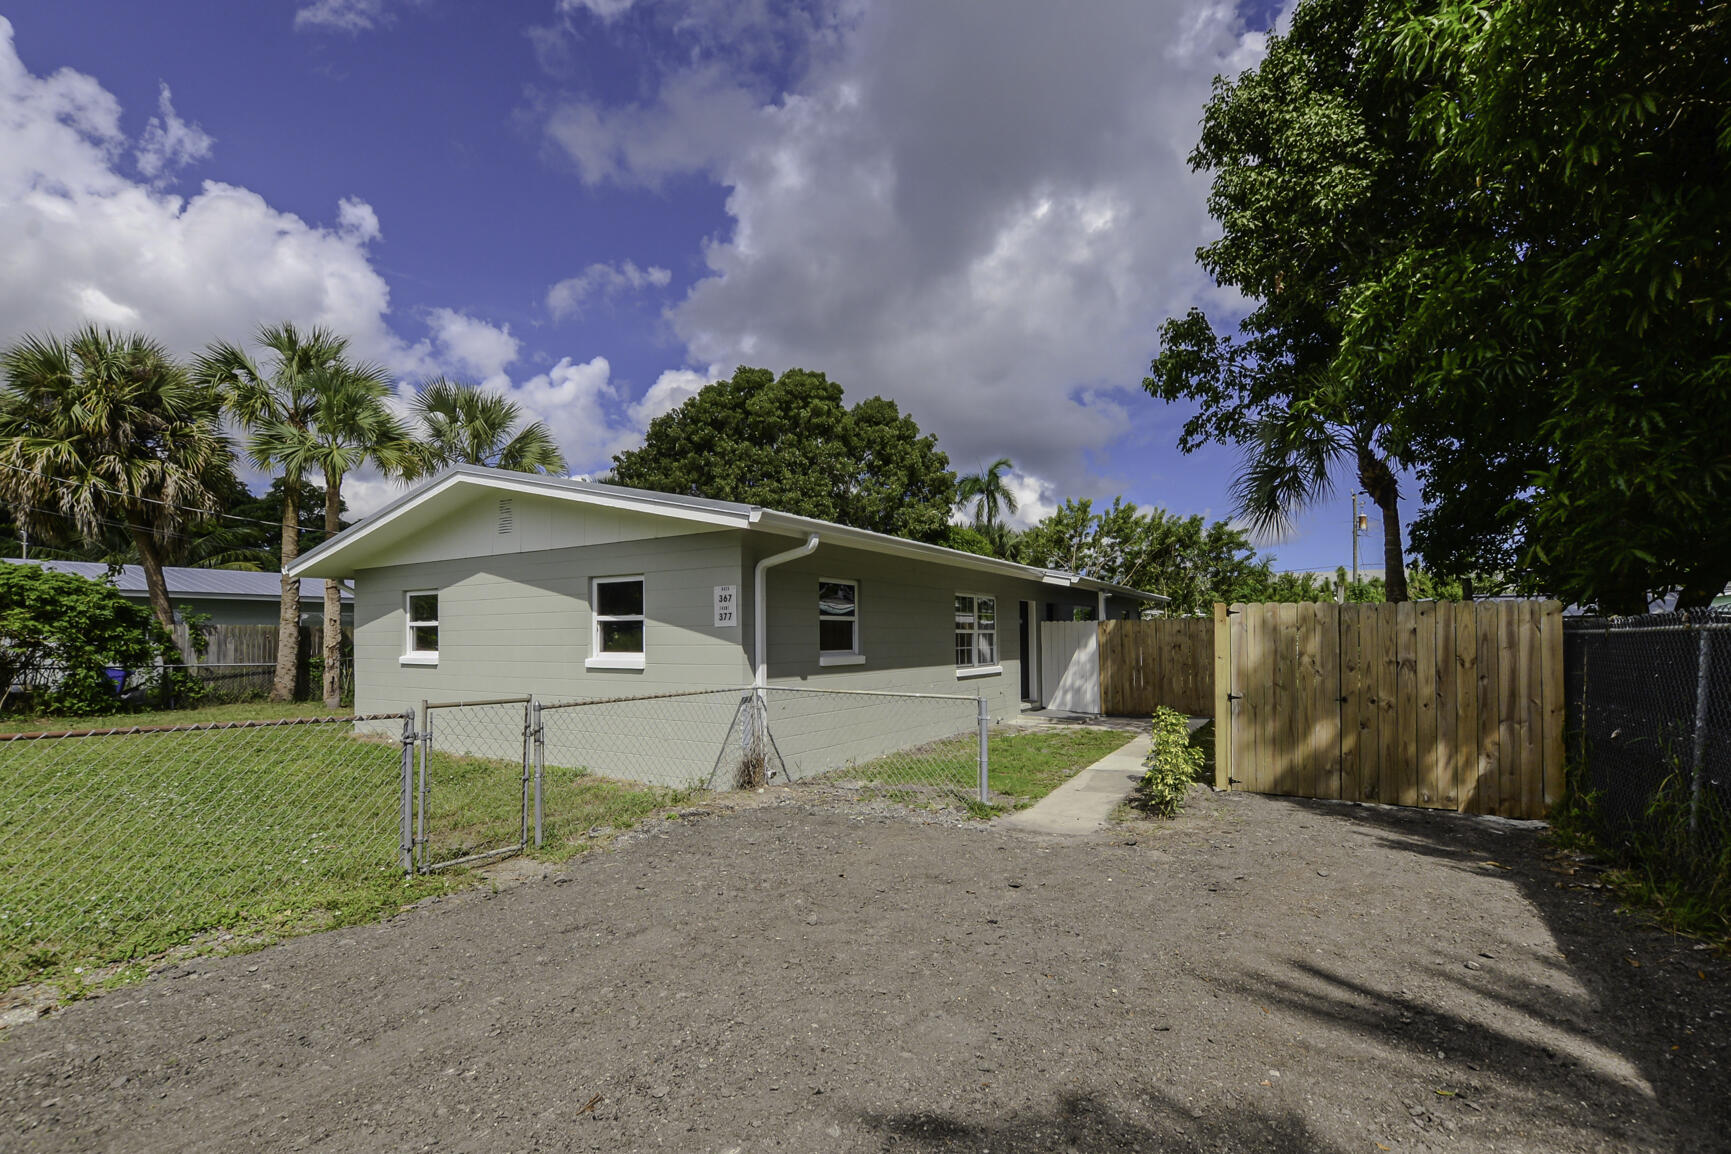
[(406, 855), (985, 721), (540, 735), (528, 769), (1703, 666)]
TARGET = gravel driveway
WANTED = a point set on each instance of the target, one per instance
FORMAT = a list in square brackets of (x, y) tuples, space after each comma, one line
[(804, 973)]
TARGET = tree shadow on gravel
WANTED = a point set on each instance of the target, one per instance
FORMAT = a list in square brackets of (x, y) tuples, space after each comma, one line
[(1643, 1040), (1084, 1122)]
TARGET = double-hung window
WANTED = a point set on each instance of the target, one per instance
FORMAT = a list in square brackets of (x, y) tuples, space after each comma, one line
[(838, 623), (617, 638), (976, 633), (421, 644)]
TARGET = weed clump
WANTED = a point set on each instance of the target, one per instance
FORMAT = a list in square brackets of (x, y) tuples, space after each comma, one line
[(1171, 766)]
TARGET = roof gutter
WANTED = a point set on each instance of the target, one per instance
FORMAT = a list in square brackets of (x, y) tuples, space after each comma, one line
[(761, 604)]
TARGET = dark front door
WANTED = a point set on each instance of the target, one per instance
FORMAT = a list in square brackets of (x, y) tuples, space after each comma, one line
[(1023, 635)]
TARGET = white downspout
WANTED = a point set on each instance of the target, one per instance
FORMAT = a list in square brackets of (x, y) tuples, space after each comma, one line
[(760, 625), (1102, 614)]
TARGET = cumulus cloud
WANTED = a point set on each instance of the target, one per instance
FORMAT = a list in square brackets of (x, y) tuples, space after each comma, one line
[(604, 9), (80, 241), (670, 390), (341, 15), (473, 347), (566, 299), (983, 215), (169, 143)]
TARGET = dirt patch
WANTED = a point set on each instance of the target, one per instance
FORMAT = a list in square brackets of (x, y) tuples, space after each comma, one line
[(800, 972)]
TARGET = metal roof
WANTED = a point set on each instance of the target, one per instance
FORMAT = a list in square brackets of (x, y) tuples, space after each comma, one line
[(229, 584), (723, 513)]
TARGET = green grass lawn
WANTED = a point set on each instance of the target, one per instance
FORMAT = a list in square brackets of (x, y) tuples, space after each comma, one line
[(1022, 767), (120, 848)]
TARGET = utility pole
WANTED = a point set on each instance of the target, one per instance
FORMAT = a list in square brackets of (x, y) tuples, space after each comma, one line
[(1355, 538), (24, 539)]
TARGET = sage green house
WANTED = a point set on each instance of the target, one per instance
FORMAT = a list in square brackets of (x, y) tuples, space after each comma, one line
[(482, 584)]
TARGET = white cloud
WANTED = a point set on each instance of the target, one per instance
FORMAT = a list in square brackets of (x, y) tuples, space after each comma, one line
[(566, 298), (341, 15), (984, 219), (170, 143), (473, 347), (670, 390), (604, 9), (80, 241)]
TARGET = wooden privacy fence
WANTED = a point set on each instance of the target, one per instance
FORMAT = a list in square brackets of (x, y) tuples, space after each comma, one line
[(1434, 704), (1167, 661)]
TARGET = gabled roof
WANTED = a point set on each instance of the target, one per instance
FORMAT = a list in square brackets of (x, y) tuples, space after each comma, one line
[(219, 584), (336, 557)]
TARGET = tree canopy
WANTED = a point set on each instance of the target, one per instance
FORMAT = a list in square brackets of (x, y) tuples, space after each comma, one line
[(790, 443), (1487, 242), (467, 425), (103, 433)]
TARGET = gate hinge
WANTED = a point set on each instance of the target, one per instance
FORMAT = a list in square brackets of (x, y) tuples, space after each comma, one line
[(1343, 700), (1235, 697)]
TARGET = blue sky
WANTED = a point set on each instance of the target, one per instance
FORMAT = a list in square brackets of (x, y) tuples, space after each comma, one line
[(598, 205)]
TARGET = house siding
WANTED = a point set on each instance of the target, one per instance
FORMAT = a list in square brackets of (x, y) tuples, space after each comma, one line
[(907, 635)]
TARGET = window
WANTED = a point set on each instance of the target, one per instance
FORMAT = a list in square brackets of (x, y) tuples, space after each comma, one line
[(422, 612), (976, 632), (838, 623), (617, 642)]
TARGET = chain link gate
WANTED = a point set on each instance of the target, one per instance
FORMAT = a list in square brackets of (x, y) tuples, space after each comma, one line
[(474, 784)]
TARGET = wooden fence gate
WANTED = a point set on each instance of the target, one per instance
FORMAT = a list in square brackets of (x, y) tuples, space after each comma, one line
[(1434, 704)]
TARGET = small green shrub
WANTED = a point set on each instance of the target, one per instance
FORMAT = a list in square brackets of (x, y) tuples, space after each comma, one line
[(1172, 765), (60, 633)]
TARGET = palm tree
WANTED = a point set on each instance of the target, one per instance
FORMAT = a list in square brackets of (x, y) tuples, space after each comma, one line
[(350, 426), (108, 432), (1289, 465), (277, 409), (468, 425), (987, 490)]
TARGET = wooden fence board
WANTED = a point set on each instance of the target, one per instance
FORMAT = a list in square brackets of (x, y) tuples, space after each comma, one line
[(1447, 704), (1466, 737), (1508, 710), (1329, 704), (1222, 633), (1406, 702), (1387, 715), (1428, 780), (1354, 727), (1531, 711)]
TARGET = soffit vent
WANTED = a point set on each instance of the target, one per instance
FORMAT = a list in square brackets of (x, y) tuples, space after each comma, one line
[(507, 519)]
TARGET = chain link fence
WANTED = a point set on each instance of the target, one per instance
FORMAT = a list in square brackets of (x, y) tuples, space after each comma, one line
[(473, 781), (125, 842), (914, 747), (1648, 732)]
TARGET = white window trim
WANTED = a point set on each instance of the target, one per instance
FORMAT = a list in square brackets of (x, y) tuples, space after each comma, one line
[(411, 655), (599, 660), (964, 672), (856, 655)]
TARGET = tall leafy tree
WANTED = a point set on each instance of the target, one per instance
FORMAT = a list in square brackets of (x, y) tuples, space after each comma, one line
[(104, 432), (277, 407), (989, 494), (1192, 562), (1568, 340), (1316, 179), (790, 443), (351, 426), (465, 424)]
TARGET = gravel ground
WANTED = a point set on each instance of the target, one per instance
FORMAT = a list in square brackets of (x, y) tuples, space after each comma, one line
[(800, 972)]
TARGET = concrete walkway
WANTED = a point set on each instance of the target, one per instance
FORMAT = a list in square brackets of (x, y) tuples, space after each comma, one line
[(1083, 804)]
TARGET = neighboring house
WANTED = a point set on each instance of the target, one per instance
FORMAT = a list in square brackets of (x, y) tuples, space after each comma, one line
[(483, 583), (228, 596)]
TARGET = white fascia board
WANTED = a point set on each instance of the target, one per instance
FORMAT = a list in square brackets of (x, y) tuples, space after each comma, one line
[(832, 533), (511, 483)]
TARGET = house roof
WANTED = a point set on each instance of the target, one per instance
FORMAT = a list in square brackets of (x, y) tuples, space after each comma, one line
[(216, 584), (337, 556)]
